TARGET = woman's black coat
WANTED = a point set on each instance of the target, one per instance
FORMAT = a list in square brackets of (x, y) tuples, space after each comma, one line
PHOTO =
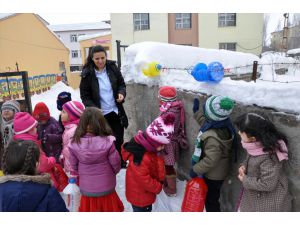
[(89, 88)]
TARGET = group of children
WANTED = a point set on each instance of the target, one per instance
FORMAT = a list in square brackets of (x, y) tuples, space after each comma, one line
[(84, 145)]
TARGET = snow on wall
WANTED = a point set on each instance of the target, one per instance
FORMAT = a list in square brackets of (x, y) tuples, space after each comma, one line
[(281, 96)]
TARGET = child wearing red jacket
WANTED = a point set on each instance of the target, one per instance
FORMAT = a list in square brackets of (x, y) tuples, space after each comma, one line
[(146, 173)]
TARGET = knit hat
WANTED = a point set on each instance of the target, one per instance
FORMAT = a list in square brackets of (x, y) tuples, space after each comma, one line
[(62, 98), (218, 107), (41, 112), (160, 131), (12, 105), (74, 109), (167, 94), (23, 122)]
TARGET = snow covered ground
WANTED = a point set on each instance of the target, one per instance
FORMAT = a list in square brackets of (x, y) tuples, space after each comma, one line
[(163, 202), (281, 96)]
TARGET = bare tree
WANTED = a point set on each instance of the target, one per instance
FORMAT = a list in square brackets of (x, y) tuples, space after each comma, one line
[(265, 35)]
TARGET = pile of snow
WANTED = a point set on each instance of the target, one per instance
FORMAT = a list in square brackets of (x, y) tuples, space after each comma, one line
[(50, 97), (281, 96), (272, 61), (293, 51), (90, 36), (138, 55)]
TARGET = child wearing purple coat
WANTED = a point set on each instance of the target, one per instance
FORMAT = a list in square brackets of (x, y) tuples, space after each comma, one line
[(94, 157), (49, 131)]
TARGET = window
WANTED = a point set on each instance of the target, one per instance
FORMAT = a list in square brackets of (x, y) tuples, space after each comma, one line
[(141, 21), (74, 53), (62, 66), (227, 19), (183, 20), (73, 38), (228, 46)]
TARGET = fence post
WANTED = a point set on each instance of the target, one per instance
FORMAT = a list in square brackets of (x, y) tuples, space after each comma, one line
[(119, 53), (254, 71)]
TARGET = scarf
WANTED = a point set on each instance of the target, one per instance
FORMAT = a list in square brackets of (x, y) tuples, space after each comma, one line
[(256, 149), (70, 122)]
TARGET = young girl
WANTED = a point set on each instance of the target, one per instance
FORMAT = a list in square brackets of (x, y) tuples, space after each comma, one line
[(21, 189), (265, 186), (145, 173), (49, 131), (70, 115), (168, 103), (94, 157), (25, 129)]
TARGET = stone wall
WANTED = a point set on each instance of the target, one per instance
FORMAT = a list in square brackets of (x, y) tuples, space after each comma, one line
[(142, 107)]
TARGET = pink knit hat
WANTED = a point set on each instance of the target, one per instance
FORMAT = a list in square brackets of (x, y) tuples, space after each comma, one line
[(23, 122), (74, 109), (160, 131)]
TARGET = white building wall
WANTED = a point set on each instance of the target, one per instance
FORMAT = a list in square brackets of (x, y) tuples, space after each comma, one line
[(247, 33), (122, 29), (65, 36)]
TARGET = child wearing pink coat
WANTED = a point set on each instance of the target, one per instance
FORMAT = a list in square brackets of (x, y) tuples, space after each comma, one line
[(25, 129), (70, 116)]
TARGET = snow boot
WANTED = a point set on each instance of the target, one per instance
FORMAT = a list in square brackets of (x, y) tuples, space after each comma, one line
[(170, 185)]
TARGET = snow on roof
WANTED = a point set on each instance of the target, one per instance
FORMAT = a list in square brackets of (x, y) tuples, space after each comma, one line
[(281, 96), (293, 51), (90, 36), (6, 15), (80, 26)]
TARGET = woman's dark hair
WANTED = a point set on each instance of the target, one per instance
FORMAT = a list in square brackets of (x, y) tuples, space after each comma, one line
[(20, 157), (89, 61), (92, 121), (259, 126)]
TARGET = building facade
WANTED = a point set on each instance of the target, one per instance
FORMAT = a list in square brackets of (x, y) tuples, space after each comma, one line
[(69, 34), (232, 31), (293, 39), (36, 50)]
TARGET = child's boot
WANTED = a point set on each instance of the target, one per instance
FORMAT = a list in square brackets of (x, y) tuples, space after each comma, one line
[(170, 185)]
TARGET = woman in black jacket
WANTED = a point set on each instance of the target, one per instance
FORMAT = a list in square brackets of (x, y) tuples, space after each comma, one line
[(103, 86)]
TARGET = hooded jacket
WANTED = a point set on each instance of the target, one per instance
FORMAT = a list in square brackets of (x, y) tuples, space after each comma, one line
[(97, 162), (23, 193), (144, 175)]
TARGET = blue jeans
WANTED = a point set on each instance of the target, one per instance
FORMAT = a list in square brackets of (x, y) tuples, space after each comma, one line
[(142, 209)]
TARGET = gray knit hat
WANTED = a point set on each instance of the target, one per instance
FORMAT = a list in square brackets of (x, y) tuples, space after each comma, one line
[(11, 105), (218, 107)]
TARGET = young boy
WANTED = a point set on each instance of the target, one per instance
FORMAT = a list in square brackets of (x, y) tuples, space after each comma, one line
[(213, 146), (8, 111)]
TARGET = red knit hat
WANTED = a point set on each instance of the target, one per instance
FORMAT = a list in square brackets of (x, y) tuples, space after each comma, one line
[(41, 112), (23, 122), (167, 94)]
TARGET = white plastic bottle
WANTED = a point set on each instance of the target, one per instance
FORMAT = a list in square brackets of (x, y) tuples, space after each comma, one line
[(72, 195)]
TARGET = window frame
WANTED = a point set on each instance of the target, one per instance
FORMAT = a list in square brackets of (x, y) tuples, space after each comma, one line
[(224, 20), (140, 23), (180, 24), (73, 38), (226, 46), (73, 52)]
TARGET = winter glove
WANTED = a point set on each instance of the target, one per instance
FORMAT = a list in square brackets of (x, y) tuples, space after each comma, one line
[(193, 174), (196, 105)]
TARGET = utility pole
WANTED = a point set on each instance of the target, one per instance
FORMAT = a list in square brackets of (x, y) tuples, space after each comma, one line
[(285, 33)]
